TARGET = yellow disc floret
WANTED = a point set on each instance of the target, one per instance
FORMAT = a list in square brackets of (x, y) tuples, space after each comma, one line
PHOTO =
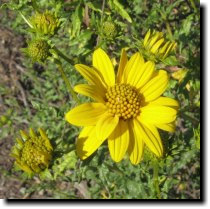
[(123, 100)]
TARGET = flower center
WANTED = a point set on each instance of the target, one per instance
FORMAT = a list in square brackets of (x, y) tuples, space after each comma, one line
[(123, 100), (35, 154)]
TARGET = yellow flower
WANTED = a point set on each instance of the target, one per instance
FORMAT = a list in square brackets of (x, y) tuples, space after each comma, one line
[(155, 45), (127, 110), (32, 152)]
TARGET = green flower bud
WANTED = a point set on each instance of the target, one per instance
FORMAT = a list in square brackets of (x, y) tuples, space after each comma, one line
[(38, 50), (109, 30), (45, 23), (32, 152)]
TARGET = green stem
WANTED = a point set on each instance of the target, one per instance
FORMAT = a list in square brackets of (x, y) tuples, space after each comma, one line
[(25, 19), (102, 9), (193, 5), (168, 27), (155, 178), (102, 15), (68, 85), (62, 55)]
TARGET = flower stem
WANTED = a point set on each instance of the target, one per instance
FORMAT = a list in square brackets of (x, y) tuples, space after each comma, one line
[(68, 85), (193, 5), (25, 19), (62, 55), (168, 27), (102, 15), (155, 178)]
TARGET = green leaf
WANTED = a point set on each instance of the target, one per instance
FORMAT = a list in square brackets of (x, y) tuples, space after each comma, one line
[(115, 4), (82, 39), (171, 60), (67, 161), (94, 6), (46, 175), (76, 19), (187, 25)]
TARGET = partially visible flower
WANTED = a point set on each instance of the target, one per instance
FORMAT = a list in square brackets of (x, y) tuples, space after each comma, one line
[(45, 23), (127, 110), (38, 50), (156, 47), (179, 74), (32, 152)]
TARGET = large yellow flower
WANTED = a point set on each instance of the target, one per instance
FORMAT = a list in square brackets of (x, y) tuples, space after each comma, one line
[(128, 108)]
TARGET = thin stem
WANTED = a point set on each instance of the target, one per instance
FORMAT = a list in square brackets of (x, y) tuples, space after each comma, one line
[(25, 19), (102, 9), (193, 5), (62, 55), (68, 85), (168, 27), (155, 178), (102, 15)]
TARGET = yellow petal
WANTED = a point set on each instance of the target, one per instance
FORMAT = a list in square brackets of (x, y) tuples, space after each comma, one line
[(87, 142), (174, 46), (118, 141), (106, 125), (90, 91), (157, 36), (104, 65), (164, 48), (136, 144), (156, 46), (157, 114), (169, 49), (132, 68), (86, 114), (144, 74), (91, 75), (123, 62), (151, 137), (153, 130), (146, 38), (156, 86), (170, 127), (24, 167), (165, 101)]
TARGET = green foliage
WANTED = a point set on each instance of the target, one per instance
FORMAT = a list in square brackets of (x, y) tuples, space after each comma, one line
[(117, 7), (47, 100)]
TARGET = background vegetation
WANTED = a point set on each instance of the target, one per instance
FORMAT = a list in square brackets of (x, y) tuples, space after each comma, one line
[(34, 95)]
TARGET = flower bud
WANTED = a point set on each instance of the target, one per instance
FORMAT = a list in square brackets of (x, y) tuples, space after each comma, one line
[(109, 30), (45, 23), (38, 50), (32, 152)]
